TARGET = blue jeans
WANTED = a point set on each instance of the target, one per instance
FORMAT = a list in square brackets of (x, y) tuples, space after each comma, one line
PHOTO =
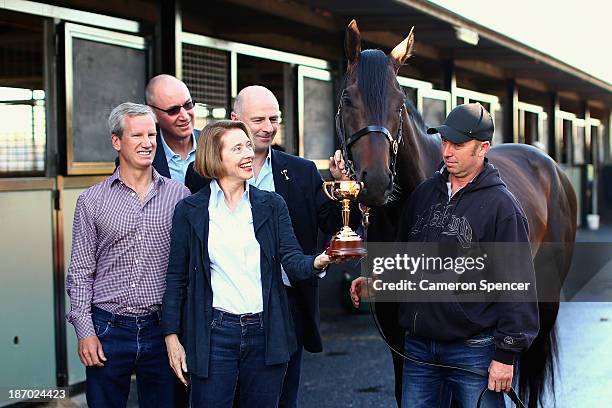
[(130, 344), (427, 387), (291, 383), (237, 356)]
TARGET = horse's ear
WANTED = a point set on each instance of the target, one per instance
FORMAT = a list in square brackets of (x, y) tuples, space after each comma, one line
[(403, 50), (352, 43)]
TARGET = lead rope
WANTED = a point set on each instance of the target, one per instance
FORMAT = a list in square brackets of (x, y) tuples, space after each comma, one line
[(365, 223), (365, 220)]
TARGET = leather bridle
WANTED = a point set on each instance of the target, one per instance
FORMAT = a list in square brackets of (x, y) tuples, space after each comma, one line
[(347, 143)]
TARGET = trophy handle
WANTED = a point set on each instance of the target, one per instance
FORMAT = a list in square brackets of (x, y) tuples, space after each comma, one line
[(327, 193)]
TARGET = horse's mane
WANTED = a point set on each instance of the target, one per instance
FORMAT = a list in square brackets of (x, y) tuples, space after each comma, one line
[(373, 75)]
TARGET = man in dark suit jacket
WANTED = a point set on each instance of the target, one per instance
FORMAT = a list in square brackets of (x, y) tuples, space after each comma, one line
[(298, 181), (176, 137)]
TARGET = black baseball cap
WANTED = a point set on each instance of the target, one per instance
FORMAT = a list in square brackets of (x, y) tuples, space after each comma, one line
[(466, 122)]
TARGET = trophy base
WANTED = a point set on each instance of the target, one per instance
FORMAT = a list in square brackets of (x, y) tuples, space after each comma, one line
[(346, 248)]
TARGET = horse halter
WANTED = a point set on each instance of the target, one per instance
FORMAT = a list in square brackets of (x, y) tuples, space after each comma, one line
[(348, 143)]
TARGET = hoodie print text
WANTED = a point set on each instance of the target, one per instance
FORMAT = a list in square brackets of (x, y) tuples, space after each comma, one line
[(440, 216)]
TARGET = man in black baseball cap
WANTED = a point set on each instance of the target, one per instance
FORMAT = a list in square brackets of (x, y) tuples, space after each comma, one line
[(466, 204), (466, 138), (466, 122)]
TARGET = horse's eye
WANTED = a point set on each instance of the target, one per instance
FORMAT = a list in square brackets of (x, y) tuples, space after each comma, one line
[(347, 101)]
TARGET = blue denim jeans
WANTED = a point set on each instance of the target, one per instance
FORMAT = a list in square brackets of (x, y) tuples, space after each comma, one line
[(130, 344), (427, 387), (237, 356)]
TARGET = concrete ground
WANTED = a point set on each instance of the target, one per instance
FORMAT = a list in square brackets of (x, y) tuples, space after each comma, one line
[(355, 368)]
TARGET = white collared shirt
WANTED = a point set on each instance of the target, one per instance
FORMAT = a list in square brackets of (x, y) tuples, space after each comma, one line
[(265, 178), (265, 181), (235, 271)]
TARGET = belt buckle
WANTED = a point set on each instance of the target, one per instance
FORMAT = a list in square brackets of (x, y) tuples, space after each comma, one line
[(245, 318)]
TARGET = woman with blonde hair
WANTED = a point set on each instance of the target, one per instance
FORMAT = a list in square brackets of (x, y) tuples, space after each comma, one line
[(225, 301)]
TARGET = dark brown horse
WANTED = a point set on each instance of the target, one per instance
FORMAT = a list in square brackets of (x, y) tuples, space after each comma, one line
[(374, 116)]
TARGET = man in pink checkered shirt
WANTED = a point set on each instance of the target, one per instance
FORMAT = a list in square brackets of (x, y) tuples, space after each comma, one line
[(116, 280)]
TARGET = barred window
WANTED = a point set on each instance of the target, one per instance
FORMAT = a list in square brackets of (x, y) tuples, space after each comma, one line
[(23, 133), (206, 74), (22, 99)]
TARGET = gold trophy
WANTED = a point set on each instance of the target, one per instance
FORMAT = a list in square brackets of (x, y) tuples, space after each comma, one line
[(346, 242)]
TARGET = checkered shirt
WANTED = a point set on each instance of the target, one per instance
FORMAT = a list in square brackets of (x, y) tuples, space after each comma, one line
[(120, 249)]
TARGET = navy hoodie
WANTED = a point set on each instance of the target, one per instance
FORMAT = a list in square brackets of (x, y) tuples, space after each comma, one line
[(483, 211)]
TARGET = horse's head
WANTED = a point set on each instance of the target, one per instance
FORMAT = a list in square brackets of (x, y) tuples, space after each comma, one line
[(369, 119)]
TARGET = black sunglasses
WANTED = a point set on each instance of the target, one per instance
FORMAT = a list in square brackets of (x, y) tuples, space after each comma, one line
[(174, 110)]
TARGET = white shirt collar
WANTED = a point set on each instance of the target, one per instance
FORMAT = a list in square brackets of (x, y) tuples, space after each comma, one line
[(217, 196)]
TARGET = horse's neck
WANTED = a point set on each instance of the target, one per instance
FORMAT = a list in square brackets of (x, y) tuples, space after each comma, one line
[(419, 156)]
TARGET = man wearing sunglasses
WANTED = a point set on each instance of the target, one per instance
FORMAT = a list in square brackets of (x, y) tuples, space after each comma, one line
[(176, 137)]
